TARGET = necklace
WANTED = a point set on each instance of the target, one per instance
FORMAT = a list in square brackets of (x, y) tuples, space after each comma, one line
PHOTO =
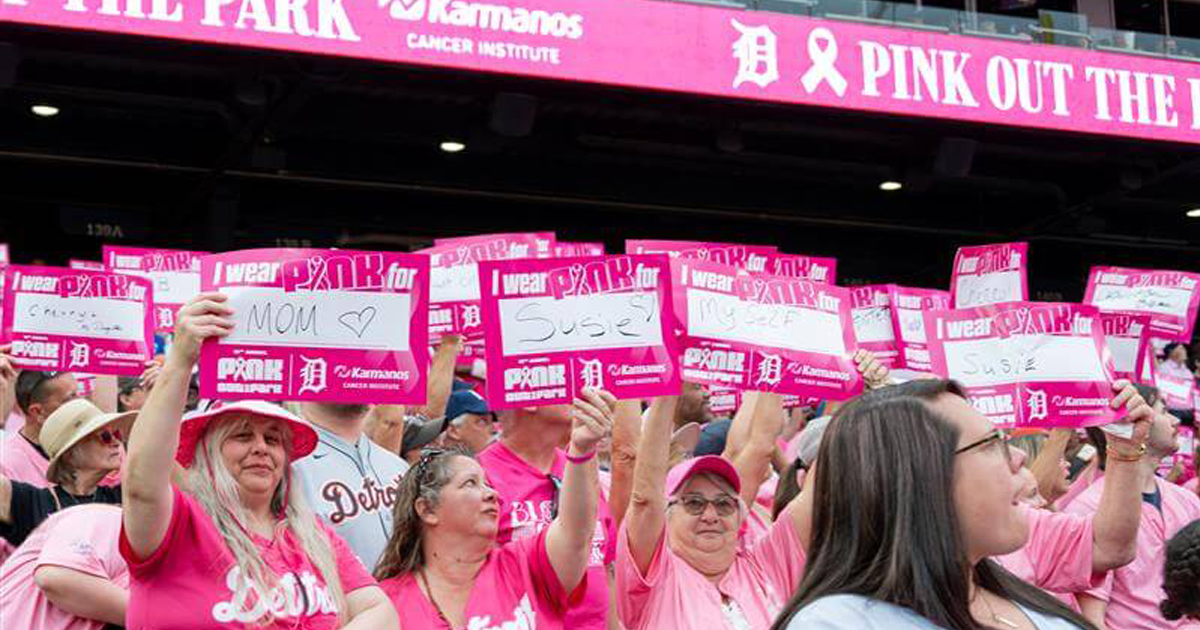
[(432, 600), (995, 617)]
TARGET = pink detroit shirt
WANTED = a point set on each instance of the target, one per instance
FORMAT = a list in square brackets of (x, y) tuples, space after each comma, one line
[(1058, 556), (674, 595), (515, 588), (194, 573), (83, 538), (526, 502), (1134, 591)]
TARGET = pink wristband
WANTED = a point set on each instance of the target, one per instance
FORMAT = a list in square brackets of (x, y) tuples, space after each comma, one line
[(581, 459)]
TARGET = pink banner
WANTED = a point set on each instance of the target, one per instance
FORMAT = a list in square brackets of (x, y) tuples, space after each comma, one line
[(749, 257), (908, 318), (767, 333), (1027, 363), (812, 268), (319, 325), (564, 249), (1170, 298), (697, 49), (555, 327), (72, 320), (175, 275), (1128, 338), (990, 274), (87, 265), (871, 308)]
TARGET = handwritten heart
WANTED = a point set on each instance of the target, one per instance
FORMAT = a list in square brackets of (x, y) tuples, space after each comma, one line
[(357, 321)]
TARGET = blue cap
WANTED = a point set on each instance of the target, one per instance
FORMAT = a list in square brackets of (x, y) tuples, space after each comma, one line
[(459, 385), (465, 401), (712, 438)]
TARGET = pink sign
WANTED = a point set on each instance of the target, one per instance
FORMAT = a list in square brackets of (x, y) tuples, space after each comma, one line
[(990, 274), (812, 268), (564, 249), (749, 257), (1185, 440), (1027, 363), (72, 320), (871, 308), (454, 282), (1170, 298), (319, 325), (908, 318), (174, 273), (1128, 338), (3, 253), (723, 401), (1178, 391), (766, 333), (88, 265), (678, 47), (555, 327)]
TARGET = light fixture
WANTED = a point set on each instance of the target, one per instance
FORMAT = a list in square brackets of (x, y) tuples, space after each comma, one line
[(452, 146), (44, 110), (1194, 213), (890, 186)]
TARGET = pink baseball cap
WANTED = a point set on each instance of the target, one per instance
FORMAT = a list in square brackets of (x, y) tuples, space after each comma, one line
[(304, 437), (707, 463)]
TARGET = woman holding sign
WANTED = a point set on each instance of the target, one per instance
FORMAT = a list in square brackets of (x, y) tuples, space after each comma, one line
[(442, 567), (234, 546), (883, 560)]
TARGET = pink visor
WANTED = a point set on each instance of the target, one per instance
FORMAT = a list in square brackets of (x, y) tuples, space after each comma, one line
[(707, 463)]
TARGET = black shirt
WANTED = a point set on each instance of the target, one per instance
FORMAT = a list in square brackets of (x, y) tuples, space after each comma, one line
[(31, 505)]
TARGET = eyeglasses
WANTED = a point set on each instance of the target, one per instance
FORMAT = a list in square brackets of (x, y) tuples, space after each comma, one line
[(109, 437), (695, 504), (987, 440)]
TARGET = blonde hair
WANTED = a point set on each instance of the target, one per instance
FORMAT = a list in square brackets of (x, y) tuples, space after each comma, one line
[(213, 486)]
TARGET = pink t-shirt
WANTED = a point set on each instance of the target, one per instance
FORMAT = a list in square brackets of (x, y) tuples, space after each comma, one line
[(83, 538), (766, 492), (194, 572), (1134, 591), (20, 461), (1058, 556), (526, 505), (674, 595), (515, 588), (1191, 484), (1086, 478)]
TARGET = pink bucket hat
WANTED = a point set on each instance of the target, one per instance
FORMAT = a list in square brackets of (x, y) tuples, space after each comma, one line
[(304, 437), (707, 463)]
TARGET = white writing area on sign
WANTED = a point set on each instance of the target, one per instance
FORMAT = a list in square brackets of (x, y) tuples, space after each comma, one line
[(459, 283), (1124, 352), (1162, 300), (873, 324), (324, 319), (170, 287), (729, 318), (912, 325), (990, 288), (541, 325), (78, 316), (1023, 358)]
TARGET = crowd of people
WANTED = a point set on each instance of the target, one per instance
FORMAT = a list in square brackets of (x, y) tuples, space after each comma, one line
[(134, 503)]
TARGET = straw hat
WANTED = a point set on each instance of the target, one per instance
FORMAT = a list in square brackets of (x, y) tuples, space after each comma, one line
[(71, 423)]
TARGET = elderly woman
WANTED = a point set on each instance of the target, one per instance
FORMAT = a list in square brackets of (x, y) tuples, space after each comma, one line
[(442, 566), (84, 446), (914, 491), (234, 546)]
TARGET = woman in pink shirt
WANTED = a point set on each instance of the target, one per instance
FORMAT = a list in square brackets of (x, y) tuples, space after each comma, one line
[(442, 567), (1181, 575), (234, 546), (679, 564)]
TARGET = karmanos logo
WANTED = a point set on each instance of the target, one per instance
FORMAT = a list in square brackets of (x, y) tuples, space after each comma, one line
[(496, 17)]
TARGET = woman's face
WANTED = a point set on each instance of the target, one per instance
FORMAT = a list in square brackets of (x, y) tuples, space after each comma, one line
[(255, 453), (987, 484), (101, 450), (709, 539), (467, 503), (1179, 354)]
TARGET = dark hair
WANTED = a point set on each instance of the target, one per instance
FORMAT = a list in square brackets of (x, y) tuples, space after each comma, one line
[(403, 553), (29, 387), (871, 536), (1099, 438), (1181, 574), (787, 488)]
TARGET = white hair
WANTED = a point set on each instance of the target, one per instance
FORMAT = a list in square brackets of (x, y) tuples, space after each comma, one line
[(213, 486)]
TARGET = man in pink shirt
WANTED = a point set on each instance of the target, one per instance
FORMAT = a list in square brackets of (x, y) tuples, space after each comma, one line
[(526, 467), (1129, 599), (38, 395)]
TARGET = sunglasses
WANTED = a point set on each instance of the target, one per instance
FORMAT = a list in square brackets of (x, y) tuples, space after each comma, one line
[(695, 504), (996, 436), (557, 490), (109, 437)]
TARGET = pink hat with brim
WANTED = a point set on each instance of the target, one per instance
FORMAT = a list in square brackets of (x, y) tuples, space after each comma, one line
[(708, 463), (304, 437)]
